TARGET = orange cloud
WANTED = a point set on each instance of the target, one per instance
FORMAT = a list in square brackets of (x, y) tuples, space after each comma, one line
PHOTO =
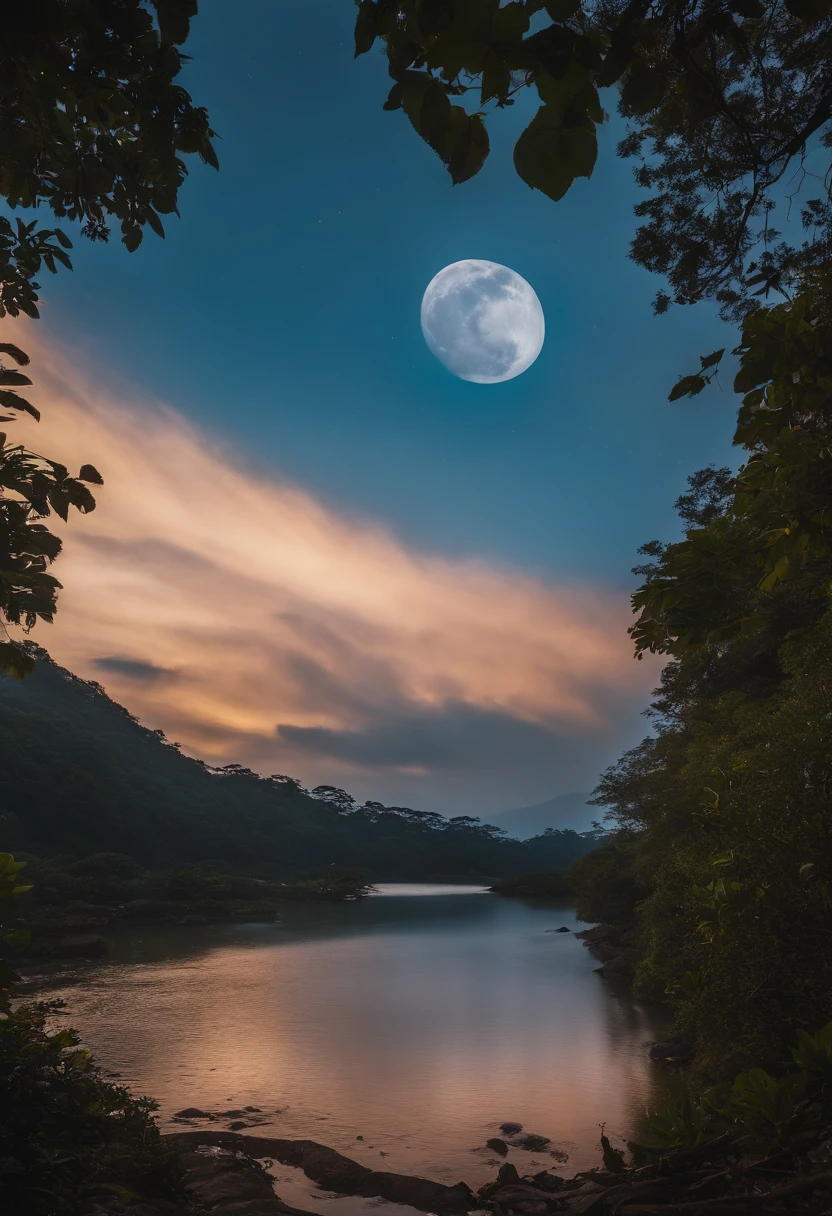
[(219, 603)]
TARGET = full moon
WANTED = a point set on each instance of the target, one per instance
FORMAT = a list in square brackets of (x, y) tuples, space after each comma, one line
[(483, 321)]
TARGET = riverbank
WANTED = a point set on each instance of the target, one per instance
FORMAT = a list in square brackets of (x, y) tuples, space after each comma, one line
[(74, 903), (225, 1172)]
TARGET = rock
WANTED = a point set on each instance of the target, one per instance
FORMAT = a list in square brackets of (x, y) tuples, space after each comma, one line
[(192, 1112), (334, 1172), (616, 968), (506, 1176), (548, 1182), (227, 1182), (255, 1110), (520, 1198), (562, 929), (672, 1051), (589, 1204), (232, 1114), (532, 1144), (237, 1126), (359, 1137), (511, 1129), (498, 1145)]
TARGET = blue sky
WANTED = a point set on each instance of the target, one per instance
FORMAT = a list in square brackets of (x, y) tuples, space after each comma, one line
[(283, 311), (281, 317)]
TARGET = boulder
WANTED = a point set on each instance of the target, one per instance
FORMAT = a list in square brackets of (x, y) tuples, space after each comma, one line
[(498, 1145), (511, 1129), (525, 1199), (507, 1176), (191, 1112), (616, 968), (221, 1183), (531, 1143), (562, 929), (548, 1182)]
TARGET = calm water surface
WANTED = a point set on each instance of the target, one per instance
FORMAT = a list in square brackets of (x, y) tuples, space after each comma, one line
[(418, 1019)]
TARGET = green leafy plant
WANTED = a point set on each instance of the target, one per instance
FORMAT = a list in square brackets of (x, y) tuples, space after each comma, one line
[(760, 1114), (68, 1137), (10, 886), (94, 127), (721, 102)]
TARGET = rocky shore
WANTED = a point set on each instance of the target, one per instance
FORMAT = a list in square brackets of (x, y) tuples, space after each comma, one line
[(227, 1173), (615, 947)]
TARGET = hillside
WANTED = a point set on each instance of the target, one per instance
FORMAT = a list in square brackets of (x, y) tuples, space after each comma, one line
[(567, 811), (82, 776)]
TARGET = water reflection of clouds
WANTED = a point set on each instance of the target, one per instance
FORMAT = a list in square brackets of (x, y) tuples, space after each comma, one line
[(419, 1024)]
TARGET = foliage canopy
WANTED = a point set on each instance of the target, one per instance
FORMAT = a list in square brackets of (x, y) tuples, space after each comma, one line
[(94, 127), (722, 101)]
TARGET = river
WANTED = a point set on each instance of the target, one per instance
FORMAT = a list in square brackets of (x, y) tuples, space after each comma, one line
[(400, 1030)]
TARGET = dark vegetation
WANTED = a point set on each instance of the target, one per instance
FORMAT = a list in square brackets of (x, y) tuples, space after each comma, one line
[(71, 901), (93, 780), (70, 1140), (535, 886), (721, 101), (94, 127)]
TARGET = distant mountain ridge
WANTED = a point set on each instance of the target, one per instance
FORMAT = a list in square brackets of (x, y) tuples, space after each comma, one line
[(566, 811), (81, 775)]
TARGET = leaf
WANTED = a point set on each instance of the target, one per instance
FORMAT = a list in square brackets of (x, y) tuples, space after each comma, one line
[(643, 91), (470, 146), (132, 237), (712, 359), (155, 223), (90, 473), (687, 386), (10, 377), (511, 22), (174, 19), (20, 357), (14, 401), (365, 27), (394, 97), (549, 156), (496, 78), (809, 11), (63, 239), (562, 10), (15, 662)]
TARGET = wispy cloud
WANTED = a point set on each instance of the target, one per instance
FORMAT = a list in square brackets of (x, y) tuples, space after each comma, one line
[(309, 640)]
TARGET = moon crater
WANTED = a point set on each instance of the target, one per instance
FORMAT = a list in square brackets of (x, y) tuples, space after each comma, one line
[(483, 321)]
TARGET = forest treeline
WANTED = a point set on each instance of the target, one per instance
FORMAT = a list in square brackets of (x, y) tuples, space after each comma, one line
[(723, 854), (82, 777)]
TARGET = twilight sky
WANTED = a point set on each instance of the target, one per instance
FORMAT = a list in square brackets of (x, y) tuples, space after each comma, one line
[(317, 551)]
